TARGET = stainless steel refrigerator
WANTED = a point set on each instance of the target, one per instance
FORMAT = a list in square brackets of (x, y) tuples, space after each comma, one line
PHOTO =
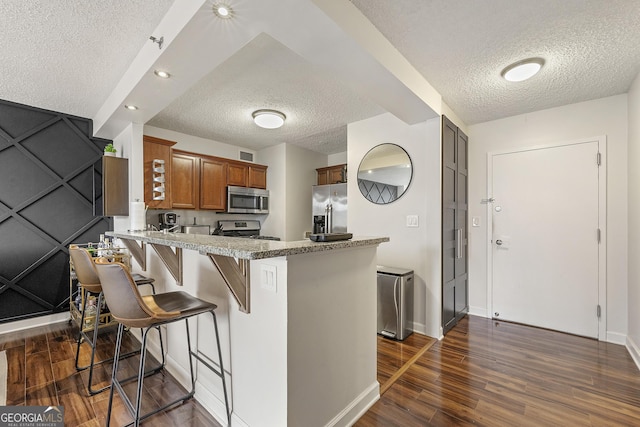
[(329, 208)]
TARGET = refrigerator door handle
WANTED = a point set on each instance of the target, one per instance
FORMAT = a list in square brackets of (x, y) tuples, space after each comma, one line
[(329, 212)]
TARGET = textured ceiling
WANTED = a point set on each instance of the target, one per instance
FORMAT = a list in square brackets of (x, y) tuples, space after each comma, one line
[(68, 55), (264, 74), (461, 46)]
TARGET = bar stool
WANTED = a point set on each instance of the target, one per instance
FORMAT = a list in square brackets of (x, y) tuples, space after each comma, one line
[(84, 268), (131, 309)]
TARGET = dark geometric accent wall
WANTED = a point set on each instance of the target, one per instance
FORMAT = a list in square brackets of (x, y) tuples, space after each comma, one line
[(378, 192), (49, 167)]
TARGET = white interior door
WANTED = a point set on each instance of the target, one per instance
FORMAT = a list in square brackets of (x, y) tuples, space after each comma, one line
[(545, 231)]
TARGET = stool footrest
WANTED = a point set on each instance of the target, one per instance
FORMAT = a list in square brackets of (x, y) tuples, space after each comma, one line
[(207, 364)]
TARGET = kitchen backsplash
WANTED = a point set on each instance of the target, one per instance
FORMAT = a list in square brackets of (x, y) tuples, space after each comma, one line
[(186, 217)]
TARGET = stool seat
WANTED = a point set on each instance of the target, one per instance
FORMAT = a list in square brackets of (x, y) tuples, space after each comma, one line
[(177, 304), (131, 309), (85, 270)]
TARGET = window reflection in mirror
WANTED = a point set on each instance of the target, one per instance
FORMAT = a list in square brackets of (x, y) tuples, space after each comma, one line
[(384, 173)]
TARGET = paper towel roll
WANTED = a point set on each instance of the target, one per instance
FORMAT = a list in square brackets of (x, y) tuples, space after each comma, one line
[(138, 216)]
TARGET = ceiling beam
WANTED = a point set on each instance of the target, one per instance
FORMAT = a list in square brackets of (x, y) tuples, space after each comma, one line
[(332, 35)]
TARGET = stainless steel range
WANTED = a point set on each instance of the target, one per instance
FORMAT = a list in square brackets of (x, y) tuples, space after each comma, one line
[(241, 228)]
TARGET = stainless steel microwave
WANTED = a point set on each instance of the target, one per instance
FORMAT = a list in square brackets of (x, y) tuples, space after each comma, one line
[(247, 200)]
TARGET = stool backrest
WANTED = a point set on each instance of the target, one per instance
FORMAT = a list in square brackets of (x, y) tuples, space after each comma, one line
[(120, 290), (85, 269)]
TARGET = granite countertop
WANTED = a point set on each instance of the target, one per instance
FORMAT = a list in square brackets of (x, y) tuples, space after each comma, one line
[(242, 248)]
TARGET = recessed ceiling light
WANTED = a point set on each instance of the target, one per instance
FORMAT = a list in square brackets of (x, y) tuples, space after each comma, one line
[(222, 10), (522, 70), (162, 74), (130, 107), (268, 119)]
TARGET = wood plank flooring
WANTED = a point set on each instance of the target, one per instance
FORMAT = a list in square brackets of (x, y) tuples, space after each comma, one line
[(492, 373), (41, 371), (483, 373)]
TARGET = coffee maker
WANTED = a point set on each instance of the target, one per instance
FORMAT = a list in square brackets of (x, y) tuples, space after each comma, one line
[(168, 221), (319, 225)]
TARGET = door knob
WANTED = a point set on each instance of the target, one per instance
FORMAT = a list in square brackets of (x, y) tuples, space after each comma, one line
[(499, 242)]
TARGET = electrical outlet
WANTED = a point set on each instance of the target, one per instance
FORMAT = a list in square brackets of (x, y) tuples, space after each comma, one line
[(412, 220), (268, 277)]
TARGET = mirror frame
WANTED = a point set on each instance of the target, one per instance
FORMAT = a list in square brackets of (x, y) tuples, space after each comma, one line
[(406, 187)]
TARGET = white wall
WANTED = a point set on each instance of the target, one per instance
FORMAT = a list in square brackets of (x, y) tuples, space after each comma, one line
[(275, 157), (129, 145), (633, 337), (301, 175), (413, 248), (607, 116), (337, 159), (199, 145), (291, 173)]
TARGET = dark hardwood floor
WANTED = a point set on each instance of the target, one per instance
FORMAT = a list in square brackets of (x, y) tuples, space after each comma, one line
[(492, 373), (41, 371), (483, 373)]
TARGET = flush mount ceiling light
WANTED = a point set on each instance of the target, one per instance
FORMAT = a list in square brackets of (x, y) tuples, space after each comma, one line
[(268, 119), (522, 70), (162, 74), (223, 10), (130, 107)]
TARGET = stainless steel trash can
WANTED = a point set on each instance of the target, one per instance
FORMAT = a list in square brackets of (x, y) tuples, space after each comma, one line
[(395, 302)]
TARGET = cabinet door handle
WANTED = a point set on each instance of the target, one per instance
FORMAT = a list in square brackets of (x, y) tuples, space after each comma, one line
[(458, 243)]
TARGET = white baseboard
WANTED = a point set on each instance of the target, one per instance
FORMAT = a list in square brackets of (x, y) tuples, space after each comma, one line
[(34, 322), (420, 328), (215, 406), (479, 311), (633, 350), (616, 338), (357, 408)]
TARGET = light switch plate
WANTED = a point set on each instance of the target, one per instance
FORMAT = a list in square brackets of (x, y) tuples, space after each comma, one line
[(475, 221), (268, 277), (412, 220)]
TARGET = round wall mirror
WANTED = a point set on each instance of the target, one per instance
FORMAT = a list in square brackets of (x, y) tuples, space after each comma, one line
[(384, 173)]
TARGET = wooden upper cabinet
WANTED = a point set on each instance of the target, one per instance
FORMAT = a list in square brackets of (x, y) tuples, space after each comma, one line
[(157, 149), (246, 175), (197, 181), (213, 180), (258, 176), (332, 174), (237, 174), (185, 180)]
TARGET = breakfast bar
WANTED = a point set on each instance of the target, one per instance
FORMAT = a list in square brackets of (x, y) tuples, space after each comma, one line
[(297, 320)]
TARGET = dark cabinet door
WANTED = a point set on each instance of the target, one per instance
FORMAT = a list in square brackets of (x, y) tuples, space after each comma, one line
[(454, 225)]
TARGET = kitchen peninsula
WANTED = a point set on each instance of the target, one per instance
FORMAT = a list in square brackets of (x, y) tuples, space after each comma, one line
[(298, 327)]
